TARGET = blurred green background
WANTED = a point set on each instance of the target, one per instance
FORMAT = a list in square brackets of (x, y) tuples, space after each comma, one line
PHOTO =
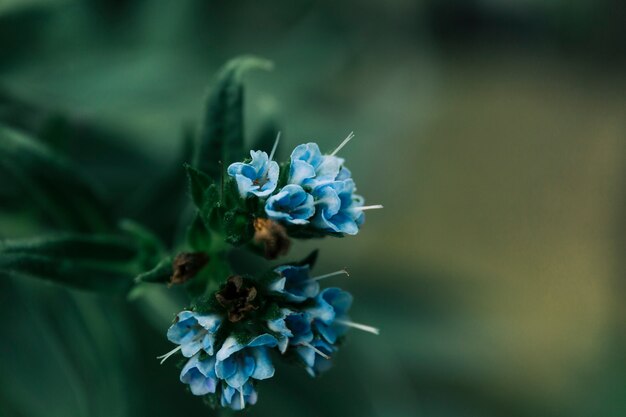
[(494, 132)]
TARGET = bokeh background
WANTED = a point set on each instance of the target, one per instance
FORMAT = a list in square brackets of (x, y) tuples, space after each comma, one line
[(494, 132)]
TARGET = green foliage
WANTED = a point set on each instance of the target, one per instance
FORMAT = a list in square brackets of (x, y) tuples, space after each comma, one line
[(92, 262), (199, 182), (57, 189), (198, 235), (221, 136), (159, 274)]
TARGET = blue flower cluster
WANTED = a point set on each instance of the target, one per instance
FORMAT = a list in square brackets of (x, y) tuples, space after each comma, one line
[(315, 320), (319, 191), (228, 372), (306, 323)]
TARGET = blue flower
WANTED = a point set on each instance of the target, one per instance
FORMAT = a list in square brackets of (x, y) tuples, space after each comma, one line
[(258, 177), (238, 398), (330, 313), (316, 356), (338, 208), (194, 332), (292, 327), (237, 362), (294, 283), (291, 204), (309, 168), (200, 374)]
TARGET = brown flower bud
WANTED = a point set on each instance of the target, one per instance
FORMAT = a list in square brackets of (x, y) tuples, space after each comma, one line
[(186, 265), (236, 296), (273, 237)]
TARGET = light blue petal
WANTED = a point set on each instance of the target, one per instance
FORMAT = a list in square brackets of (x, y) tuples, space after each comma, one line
[(265, 339), (226, 368), (264, 368), (259, 160), (191, 348), (329, 169), (327, 332), (230, 346), (307, 152), (207, 366), (340, 300), (245, 368), (300, 171), (244, 185), (235, 168), (211, 322), (344, 224), (277, 285)]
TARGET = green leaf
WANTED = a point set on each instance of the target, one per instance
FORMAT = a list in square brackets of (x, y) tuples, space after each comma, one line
[(238, 227), (222, 135), (159, 274), (199, 182), (57, 189), (151, 247), (198, 236), (211, 212), (93, 262)]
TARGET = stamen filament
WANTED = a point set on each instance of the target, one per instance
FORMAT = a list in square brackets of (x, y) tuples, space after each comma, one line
[(363, 208), (243, 403), (359, 326), (316, 350), (168, 354), (342, 144), (275, 146), (332, 274)]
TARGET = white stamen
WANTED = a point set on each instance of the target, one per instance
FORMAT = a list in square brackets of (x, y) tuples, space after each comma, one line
[(342, 144), (243, 403), (316, 350), (363, 208), (168, 354), (332, 274), (359, 326), (275, 147)]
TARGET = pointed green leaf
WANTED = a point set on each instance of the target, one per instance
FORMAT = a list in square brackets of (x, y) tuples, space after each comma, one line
[(93, 262), (198, 236), (199, 182), (151, 247), (222, 135), (159, 274), (57, 189)]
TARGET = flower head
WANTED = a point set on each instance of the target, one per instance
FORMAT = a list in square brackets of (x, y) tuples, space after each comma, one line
[(330, 313), (199, 374), (194, 332), (294, 283), (309, 168), (238, 362), (291, 205), (238, 398), (256, 178), (292, 327), (316, 356), (338, 209)]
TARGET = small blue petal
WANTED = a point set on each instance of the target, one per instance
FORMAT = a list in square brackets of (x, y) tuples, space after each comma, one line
[(256, 178), (199, 375), (291, 204), (264, 368)]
